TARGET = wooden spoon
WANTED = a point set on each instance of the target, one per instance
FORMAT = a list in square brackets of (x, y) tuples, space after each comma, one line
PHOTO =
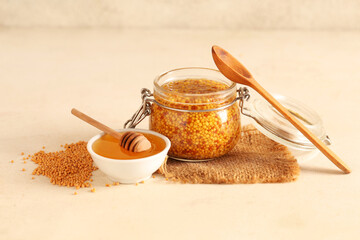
[(131, 141), (236, 72)]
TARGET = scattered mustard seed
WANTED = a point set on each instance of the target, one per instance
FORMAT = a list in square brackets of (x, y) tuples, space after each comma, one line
[(142, 181), (92, 190), (137, 184), (153, 176), (22, 153), (23, 170), (33, 178), (71, 167), (12, 161), (107, 185), (75, 193)]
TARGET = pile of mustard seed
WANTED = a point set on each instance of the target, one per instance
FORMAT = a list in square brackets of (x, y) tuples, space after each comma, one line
[(71, 167)]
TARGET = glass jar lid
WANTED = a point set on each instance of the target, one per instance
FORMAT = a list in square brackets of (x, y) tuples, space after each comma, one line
[(272, 124)]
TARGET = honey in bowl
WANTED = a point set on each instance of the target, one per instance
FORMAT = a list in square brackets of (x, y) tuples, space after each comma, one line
[(109, 147)]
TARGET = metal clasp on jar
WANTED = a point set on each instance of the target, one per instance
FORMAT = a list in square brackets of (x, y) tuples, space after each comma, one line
[(145, 107), (243, 97), (143, 111)]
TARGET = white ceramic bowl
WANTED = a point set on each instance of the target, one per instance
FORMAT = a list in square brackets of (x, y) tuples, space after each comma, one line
[(129, 171)]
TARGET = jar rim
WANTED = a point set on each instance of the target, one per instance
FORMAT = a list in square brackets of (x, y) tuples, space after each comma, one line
[(225, 91)]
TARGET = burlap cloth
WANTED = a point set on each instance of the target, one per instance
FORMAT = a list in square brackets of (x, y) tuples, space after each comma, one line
[(255, 159)]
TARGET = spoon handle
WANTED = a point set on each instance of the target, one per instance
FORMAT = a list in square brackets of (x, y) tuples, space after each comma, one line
[(309, 135), (95, 123)]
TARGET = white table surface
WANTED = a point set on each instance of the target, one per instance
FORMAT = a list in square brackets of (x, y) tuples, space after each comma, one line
[(44, 73)]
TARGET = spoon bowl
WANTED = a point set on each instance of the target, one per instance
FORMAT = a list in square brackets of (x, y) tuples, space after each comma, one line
[(230, 67)]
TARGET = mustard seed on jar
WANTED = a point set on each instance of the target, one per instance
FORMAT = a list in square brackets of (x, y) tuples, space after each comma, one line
[(196, 109)]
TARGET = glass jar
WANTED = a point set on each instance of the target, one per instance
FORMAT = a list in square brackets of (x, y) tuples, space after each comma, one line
[(195, 108), (272, 124)]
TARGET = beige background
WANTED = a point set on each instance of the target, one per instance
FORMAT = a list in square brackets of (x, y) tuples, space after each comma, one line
[(194, 14), (45, 71)]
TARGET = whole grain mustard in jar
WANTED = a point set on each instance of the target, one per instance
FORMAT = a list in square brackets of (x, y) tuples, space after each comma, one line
[(195, 108), (198, 109)]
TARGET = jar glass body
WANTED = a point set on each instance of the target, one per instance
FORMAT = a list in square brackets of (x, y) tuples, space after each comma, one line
[(200, 126)]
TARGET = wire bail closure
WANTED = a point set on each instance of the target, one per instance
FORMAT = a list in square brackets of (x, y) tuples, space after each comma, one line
[(143, 111), (244, 96), (145, 107)]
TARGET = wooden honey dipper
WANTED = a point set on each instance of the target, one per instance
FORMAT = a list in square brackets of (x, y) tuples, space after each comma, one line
[(134, 142), (131, 141)]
